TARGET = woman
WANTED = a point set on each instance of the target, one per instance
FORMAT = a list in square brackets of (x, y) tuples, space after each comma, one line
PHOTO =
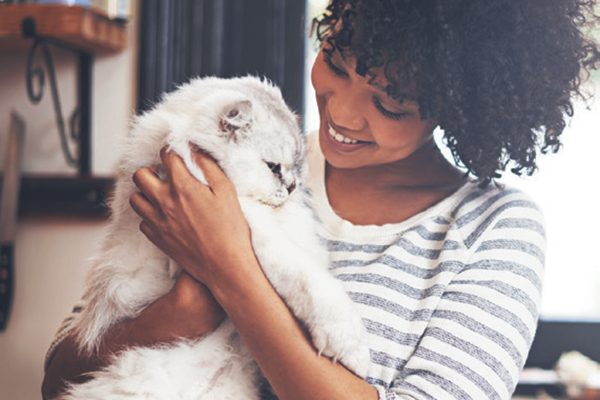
[(445, 268)]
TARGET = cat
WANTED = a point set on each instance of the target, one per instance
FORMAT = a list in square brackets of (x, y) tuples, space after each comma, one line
[(245, 125)]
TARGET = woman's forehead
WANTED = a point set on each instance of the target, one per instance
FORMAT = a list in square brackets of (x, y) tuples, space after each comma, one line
[(382, 63), (384, 78)]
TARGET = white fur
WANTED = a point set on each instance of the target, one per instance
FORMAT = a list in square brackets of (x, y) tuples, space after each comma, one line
[(243, 123)]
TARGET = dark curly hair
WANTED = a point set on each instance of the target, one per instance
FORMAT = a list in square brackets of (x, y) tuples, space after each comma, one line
[(498, 75)]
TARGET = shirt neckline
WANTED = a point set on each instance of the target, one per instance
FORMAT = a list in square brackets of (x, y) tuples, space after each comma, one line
[(336, 225)]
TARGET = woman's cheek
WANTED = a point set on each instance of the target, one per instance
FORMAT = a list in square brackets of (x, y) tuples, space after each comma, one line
[(408, 134), (319, 75)]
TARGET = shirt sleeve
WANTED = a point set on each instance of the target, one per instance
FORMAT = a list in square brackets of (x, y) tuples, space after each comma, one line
[(62, 332), (480, 333)]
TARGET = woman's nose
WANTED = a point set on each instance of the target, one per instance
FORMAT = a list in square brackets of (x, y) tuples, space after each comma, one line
[(346, 111)]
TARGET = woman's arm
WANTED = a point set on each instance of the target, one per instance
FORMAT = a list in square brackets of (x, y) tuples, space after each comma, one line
[(188, 310), (204, 230), (281, 348)]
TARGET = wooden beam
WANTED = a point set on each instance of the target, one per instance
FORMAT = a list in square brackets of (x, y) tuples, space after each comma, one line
[(83, 28)]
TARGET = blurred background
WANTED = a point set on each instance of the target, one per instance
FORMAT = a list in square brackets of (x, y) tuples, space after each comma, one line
[(111, 59)]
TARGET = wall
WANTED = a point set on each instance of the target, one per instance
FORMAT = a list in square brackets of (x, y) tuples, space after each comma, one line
[(51, 253)]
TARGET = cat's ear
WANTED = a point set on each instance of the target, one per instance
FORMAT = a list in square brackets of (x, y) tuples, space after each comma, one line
[(236, 119)]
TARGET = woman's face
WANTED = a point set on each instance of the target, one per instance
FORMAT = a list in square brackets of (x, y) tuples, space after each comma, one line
[(360, 125)]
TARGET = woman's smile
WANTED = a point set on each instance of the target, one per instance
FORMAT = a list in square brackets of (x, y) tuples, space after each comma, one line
[(354, 132), (340, 142)]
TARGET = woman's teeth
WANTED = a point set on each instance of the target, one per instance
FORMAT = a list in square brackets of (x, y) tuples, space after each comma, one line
[(340, 138)]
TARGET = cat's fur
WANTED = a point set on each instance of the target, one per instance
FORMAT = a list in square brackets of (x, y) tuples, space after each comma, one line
[(244, 124)]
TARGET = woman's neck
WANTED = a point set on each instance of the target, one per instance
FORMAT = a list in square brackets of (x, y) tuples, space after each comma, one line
[(426, 169), (392, 193)]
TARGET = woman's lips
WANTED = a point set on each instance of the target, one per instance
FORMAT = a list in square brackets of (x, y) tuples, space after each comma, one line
[(342, 143)]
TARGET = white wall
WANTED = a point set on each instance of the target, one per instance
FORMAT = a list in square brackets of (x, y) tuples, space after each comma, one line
[(51, 253)]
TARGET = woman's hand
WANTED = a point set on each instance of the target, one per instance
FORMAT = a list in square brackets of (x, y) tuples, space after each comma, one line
[(188, 311), (200, 226), (193, 308)]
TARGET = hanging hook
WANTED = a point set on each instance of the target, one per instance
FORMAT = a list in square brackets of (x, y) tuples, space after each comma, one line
[(38, 75)]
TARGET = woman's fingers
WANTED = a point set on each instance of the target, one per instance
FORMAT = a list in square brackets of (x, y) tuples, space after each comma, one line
[(142, 206), (215, 176), (179, 174), (147, 180), (150, 233)]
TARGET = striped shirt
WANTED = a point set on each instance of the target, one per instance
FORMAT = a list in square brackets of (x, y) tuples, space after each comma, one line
[(449, 297)]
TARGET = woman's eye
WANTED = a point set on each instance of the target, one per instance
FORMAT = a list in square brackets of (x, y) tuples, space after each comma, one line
[(334, 68), (386, 112), (274, 167)]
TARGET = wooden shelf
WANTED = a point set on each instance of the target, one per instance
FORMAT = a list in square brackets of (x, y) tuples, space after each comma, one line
[(82, 28)]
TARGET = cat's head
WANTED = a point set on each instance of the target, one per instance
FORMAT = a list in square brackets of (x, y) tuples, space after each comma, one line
[(256, 140)]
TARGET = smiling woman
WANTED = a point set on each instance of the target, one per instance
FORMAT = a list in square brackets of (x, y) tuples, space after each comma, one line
[(444, 268), (483, 105), (572, 278)]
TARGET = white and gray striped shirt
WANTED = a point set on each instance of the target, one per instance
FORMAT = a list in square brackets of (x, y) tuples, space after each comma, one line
[(449, 297)]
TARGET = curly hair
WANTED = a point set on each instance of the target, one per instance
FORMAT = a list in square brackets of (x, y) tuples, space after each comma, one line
[(498, 75)]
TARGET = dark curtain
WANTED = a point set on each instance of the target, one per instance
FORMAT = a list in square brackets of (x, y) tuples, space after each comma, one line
[(181, 39)]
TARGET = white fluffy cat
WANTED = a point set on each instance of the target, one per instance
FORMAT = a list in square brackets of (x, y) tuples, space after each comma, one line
[(246, 126)]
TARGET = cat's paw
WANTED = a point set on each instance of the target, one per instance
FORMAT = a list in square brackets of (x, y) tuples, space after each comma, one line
[(358, 361), (341, 338)]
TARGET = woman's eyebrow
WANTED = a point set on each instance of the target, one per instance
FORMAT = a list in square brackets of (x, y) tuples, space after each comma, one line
[(381, 89), (342, 56)]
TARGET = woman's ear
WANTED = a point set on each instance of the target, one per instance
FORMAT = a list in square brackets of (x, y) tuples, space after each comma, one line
[(236, 119)]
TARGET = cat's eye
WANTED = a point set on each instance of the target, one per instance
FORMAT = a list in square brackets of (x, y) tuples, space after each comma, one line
[(274, 167)]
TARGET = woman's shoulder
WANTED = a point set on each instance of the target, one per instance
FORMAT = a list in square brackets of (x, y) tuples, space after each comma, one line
[(495, 209), (478, 200)]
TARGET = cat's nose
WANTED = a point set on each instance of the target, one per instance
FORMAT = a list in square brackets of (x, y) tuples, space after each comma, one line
[(291, 187)]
